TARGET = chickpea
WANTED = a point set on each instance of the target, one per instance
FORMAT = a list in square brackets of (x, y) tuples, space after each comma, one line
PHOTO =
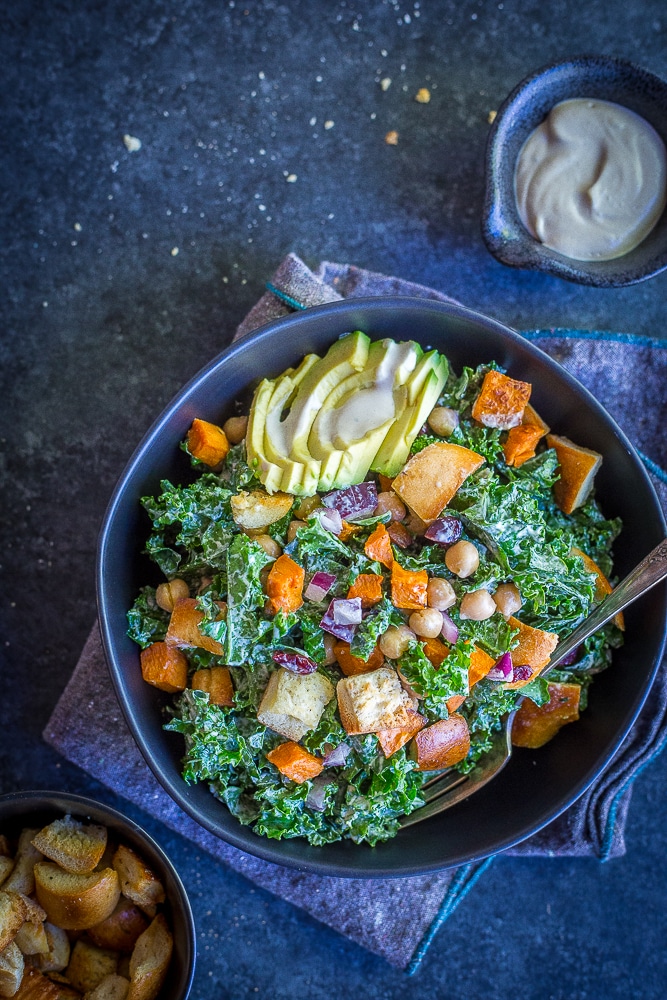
[(235, 429), (168, 593), (396, 640), (508, 599), (443, 421), (440, 594), (462, 558), (478, 605), (390, 502), (307, 505), (426, 623), (293, 528), (270, 545), (329, 655)]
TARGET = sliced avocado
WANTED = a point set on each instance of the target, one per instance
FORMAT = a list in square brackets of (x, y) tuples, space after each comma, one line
[(424, 387), (269, 473), (295, 477)]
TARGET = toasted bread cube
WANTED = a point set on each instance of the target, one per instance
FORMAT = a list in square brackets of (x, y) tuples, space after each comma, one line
[(5, 846), (217, 683), (137, 881), (443, 744), (295, 762), (207, 443), (392, 740), (13, 912), (89, 965), (150, 961), (602, 585), (501, 401), (57, 957), (183, 630), (164, 667), (36, 986), (76, 847), (534, 650), (120, 930), (6, 866), (534, 725), (75, 902), (351, 664), (292, 704), (31, 938), (11, 970), (577, 471), (22, 878), (112, 987), (258, 509), (429, 479), (371, 702)]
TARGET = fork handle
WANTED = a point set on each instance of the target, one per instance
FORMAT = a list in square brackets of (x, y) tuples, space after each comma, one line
[(645, 575)]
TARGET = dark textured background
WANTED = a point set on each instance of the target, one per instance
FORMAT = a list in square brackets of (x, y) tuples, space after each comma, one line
[(102, 322)]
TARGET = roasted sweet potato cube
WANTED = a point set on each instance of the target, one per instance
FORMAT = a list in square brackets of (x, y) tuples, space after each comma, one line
[(378, 546), (164, 667), (534, 650), (295, 762), (351, 664), (531, 417), (348, 531), (367, 586), (284, 585), (183, 631), (602, 584), (435, 650), (577, 471), (409, 588), (501, 401), (443, 744), (399, 534), (534, 725), (429, 479), (392, 740), (521, 443), (480, 664), (385, 482), (207, 443), (217, 683)]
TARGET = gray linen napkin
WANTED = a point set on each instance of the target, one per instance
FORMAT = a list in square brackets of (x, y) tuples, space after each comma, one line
[(95, 737)]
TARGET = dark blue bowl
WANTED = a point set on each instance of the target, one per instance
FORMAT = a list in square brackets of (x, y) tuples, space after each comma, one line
[(600, 77), (535, 787)]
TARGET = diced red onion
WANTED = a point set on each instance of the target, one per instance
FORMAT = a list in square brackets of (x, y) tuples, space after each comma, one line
[(502, 669), (449, 631), (523, 673), (355, 502), (319, 586), (295, 662), (317, 793), (337, 756), (445, 531), (330, 519), (571, 657), (347, 611), (345, 632)]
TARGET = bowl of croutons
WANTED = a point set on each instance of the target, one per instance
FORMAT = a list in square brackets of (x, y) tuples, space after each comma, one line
[(90, 905), (340, 556)]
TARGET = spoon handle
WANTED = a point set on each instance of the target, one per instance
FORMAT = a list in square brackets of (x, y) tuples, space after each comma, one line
[(645, 575)]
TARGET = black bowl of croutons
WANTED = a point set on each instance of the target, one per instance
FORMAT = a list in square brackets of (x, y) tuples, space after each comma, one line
[(90, 905), (259, 725)]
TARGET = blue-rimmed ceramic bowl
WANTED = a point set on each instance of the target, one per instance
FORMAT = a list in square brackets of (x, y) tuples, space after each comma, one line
[(600, 77), (536, 786)]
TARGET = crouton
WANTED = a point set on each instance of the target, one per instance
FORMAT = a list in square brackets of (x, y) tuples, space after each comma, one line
[(534, 650), (112, 987), (22, 878), (295, 762), (534, 725), (292, 704), (258, 509), (577, 471), (501, 401), (137, 881), (430, 478), (36, 986), (207, 443), (392, 740), (89, 965), (351, 664), (602, 584), (76, 847), (12, 914), (76, 902), (31, 935), (57, 957), (11, 970), (120, 930), (6, 866), (5, 846), (164, 667), (441, 745), (409, 588), (217, 683), (150, 961), (183, 630), (371, 702)]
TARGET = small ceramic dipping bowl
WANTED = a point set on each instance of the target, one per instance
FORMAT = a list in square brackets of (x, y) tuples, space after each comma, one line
[(600, 77), (37, 808)]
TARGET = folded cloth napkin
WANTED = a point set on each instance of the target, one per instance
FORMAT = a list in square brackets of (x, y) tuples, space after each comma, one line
[(628, 375)]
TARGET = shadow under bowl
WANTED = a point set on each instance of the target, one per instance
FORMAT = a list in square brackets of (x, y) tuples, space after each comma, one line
[(600, 77)]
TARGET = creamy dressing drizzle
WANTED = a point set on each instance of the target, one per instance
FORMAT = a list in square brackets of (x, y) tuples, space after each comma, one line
[(591, 180)]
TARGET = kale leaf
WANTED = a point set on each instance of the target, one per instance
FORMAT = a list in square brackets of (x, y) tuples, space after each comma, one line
[(146, 620)]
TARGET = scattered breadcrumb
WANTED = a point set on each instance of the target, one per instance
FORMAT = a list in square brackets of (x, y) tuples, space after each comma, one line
[(328, 124), (77, 226), (391, 138), (491, 117), (423, 95), (174, 252), (291, 178), (132, 144), (386, 83)]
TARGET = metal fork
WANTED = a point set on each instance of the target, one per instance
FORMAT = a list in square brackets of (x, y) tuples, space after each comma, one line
[(447, 788)]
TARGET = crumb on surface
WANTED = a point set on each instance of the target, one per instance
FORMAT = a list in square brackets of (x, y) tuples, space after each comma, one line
[(385, 83), (132, 144), (391, 138), (291, 178), (491, 117), (423, 95)]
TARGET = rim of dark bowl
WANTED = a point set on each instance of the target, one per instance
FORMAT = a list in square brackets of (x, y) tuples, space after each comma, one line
[(605, 78), (55, 803), (354, 314)]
